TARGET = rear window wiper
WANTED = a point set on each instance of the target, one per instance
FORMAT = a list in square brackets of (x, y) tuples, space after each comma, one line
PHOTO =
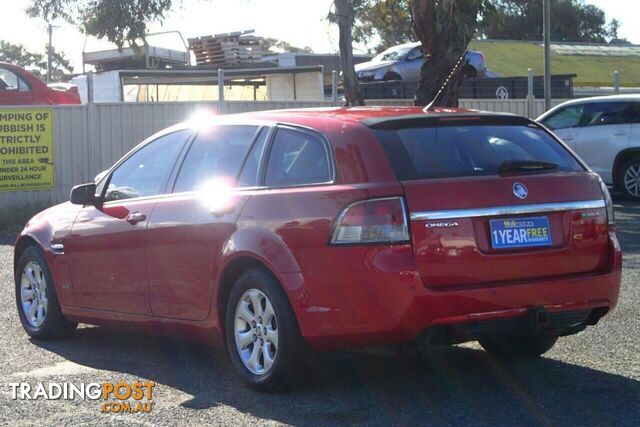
[(525, 166)]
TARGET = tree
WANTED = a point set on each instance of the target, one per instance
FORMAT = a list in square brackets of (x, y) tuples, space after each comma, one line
[(386, 20), (61, 69), (614, 26), (445, 28), (344, 17), (119, 21), (572, 21), (275, 45), (17, 54)]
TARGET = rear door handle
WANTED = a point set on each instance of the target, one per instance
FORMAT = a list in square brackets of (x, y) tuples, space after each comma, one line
[(135, 218), (568, 138), (620, 133)]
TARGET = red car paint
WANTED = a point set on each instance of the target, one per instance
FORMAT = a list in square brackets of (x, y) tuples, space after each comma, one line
[(33, 91), (167, 274)]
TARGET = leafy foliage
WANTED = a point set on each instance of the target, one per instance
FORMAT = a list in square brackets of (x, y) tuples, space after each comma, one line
[(119, 21), (386, 20), (275, 45), (36, 62), (389, 21), (17, 54), (572, 20)]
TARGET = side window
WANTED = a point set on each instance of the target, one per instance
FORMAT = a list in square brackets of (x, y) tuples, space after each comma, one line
[(216, 153), (416, 53), (297, 158), (568, 117), (610, 113), (249, 175), (633, 112), (10, 81), (144, 173)]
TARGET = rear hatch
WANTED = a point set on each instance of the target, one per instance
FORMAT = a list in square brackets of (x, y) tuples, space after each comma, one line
[(495, 199)]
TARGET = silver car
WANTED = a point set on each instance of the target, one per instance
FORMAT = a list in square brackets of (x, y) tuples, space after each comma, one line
[(403, 62)]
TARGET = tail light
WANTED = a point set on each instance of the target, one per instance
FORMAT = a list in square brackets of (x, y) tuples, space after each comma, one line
[(611, 217), (374, 221)]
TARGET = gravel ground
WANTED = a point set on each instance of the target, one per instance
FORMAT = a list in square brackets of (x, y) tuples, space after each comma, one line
[(592, 378)]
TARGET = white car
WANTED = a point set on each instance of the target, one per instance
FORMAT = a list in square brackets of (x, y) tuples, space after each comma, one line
[(605, 132)]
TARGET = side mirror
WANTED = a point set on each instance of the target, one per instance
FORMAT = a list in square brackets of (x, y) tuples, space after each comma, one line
[(84, 194)]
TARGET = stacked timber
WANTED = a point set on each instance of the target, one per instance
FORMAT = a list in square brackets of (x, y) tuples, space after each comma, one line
[(227, 49)]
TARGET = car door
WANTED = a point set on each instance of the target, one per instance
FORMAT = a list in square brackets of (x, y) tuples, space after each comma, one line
[(565, 123), (14, 90), (411, 64), (107, 243), (188, 229), (634, 140), (605, 131)]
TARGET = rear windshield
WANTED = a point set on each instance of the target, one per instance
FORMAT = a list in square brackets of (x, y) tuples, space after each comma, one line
[(476, 150)]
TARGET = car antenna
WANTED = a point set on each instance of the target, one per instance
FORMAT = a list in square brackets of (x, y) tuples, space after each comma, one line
[(431, 105)]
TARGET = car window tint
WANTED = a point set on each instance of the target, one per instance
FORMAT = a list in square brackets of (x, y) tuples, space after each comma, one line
[(216, 154), (22, 85), (297, 158), (565, 118), (10, 81), (144, 172), (610, 113), (460, 151), (633, 112), (416, 53), (249, 175)]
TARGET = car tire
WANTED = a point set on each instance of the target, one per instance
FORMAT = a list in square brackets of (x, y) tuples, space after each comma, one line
[(36, 298), (629, 179), (267, 359), (518, 346)]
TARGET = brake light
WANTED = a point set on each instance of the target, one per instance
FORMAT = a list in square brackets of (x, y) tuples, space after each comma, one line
[(611, 217), (372, 221)]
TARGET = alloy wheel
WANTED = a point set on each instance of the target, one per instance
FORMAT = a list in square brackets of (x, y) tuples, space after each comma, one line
[(33, 294), (632, 180), (256, 332)]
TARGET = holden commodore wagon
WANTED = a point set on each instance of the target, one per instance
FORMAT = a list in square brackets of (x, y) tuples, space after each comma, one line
[(324, 229)]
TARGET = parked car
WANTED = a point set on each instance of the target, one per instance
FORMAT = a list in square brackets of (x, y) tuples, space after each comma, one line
[(326, 229), (20, 87), (403, 62), (605, 132)]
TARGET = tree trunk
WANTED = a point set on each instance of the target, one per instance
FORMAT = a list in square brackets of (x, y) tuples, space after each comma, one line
[(445, 28), (344, 17)]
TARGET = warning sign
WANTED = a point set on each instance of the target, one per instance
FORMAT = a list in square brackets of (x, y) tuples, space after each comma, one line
[(26, 150)]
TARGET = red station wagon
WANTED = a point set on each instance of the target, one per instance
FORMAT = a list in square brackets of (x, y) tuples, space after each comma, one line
[(330, 228)]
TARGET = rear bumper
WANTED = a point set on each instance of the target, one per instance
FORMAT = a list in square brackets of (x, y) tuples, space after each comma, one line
[(360, 306)]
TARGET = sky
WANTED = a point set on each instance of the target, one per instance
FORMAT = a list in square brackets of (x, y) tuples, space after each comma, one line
[(300, 22)]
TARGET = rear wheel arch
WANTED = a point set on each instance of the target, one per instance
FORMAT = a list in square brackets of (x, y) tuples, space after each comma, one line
[(623, 157), (232, 271)]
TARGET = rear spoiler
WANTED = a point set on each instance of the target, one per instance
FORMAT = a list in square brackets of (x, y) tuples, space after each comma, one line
[(446, 119)]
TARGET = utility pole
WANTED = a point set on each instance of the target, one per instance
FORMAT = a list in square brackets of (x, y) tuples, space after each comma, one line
[(50, 54), (546, 17)]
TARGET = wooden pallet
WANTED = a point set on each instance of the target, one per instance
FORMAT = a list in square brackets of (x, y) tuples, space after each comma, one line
[(233, 48)]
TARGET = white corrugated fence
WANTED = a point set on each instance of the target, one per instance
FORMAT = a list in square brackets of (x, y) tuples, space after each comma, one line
[(90, 138)]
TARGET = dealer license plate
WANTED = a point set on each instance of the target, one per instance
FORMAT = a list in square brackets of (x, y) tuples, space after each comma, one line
[(520, 233)]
